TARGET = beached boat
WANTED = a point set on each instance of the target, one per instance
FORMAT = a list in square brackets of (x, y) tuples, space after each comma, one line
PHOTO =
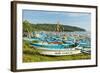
[(59, 52), (56, 49)]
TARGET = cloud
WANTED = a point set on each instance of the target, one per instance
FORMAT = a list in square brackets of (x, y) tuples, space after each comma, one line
[(78, 14)]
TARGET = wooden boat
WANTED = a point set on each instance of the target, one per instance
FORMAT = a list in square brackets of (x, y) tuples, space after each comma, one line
[(55, 49)]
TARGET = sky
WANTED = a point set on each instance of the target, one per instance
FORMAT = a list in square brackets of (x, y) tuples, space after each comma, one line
[(82, 20)]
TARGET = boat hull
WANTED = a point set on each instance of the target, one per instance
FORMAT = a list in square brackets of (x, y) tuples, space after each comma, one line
[(56, 52), (60, 52)]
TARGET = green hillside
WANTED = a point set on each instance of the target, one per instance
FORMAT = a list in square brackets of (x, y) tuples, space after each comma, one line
[(27, 26)]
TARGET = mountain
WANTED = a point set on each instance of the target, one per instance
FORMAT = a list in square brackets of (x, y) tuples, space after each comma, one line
[(27, 26)]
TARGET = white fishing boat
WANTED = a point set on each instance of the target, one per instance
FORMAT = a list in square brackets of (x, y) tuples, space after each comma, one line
[(60, 52), (55, 49)]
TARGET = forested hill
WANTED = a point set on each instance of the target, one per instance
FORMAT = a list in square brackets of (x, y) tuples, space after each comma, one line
[(27, 26)]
